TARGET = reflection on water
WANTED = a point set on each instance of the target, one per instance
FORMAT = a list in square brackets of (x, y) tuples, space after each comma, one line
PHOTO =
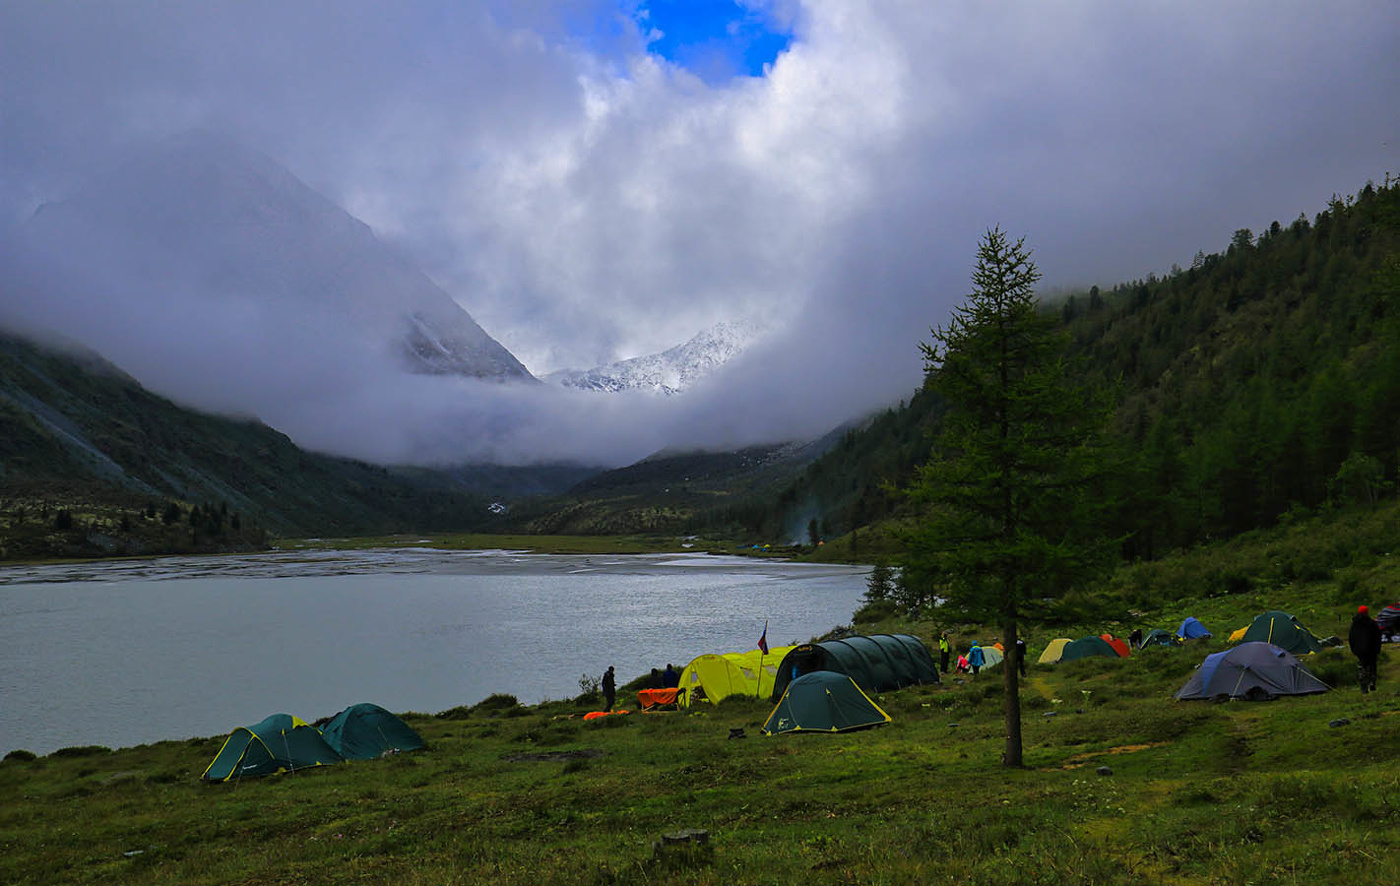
[(125, 652)]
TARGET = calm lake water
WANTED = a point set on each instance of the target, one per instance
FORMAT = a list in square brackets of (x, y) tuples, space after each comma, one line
[(129, 652)]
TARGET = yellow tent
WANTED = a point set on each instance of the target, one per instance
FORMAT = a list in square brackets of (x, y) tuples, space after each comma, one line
[(1237, 636), (1052, 652), (712, 677)]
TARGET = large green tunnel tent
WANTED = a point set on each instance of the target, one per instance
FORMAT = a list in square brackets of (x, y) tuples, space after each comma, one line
[(877, 663), (281, 743)]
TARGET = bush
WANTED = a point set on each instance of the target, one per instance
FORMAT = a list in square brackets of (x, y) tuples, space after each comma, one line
[(88, 750), (1336, 671), (874, 612), (497, 702), (20, 756)]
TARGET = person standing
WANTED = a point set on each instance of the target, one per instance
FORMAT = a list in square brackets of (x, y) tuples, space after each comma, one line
[(609, 689), (975, 658), (943, 651), (1365, 642), (1021, 655)]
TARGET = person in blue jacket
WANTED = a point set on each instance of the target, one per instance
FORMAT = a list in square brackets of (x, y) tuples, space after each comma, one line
[(975, 658)]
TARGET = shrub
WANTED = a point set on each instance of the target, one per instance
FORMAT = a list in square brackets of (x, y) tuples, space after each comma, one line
[(89, 750), (874, 612), (588, 685), (500, 701), (1334, 670), (20, 756)]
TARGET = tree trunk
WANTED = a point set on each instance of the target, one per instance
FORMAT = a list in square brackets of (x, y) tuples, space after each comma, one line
[(1011, 681)]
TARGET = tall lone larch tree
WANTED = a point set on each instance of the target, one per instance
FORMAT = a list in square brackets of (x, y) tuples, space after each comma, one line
[(1009, 514)]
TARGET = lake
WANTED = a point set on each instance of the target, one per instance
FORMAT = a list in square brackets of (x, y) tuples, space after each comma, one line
[(128, 652)]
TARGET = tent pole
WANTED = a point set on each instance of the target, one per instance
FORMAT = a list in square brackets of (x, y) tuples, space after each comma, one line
[(287, 746)]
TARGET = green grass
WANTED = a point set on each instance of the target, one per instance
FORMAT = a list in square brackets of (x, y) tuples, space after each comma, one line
[(1200, 793)]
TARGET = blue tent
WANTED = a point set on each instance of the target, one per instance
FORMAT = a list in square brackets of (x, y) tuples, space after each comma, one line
[(1191, 629)]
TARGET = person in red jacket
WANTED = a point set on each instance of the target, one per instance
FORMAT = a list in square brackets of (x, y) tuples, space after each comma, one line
[(1365, 642)]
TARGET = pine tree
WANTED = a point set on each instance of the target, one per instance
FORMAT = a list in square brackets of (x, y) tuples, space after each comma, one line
[(1010, 513), (880, 585)]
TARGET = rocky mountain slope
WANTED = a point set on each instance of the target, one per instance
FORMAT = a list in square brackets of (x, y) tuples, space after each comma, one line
[(205, 222)]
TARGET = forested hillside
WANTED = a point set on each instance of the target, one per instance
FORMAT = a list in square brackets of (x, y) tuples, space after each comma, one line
[(91, 462), (1263, 380)]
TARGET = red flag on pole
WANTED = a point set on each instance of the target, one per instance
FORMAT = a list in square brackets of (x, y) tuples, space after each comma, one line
[(763, 640)]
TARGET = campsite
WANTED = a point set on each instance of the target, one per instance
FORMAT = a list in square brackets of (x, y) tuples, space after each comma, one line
[(1192, 792)]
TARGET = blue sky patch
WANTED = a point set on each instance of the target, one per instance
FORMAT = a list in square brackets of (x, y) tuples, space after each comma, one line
[(714, 39)]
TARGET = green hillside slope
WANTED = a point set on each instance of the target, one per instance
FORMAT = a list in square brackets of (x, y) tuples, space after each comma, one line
[(1262, 381), (78, 435)]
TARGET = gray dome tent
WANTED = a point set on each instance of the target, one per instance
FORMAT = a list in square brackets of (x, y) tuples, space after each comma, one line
[(877, 663), (1251, 670)]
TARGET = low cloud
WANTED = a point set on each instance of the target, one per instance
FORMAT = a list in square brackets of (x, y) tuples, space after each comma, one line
[(588, 202)]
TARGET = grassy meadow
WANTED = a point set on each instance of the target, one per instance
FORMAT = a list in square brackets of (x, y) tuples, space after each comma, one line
[(1297, 790), (1199, 793)]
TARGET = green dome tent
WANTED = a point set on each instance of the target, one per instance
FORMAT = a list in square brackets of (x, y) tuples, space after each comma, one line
[(1159, 637), (1087, 647), (1282, 630), (365, 731), (281, 743), (823, 701), (877, 663)]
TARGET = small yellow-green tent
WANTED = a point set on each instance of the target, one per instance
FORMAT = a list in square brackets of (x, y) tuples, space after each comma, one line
[(1053, 651), (712, 677)]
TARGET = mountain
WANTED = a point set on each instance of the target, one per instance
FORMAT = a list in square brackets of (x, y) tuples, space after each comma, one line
[(670, 492), (205, 217), (671, 371), (1255, 387), (79, 435)]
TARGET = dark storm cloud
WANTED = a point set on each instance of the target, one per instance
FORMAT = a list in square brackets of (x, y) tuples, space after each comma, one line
[(586, 202)]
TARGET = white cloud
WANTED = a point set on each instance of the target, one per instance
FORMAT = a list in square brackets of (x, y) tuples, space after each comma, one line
[(587, 202)]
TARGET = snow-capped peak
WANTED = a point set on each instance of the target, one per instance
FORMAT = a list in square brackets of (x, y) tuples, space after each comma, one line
[(671, 371)]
